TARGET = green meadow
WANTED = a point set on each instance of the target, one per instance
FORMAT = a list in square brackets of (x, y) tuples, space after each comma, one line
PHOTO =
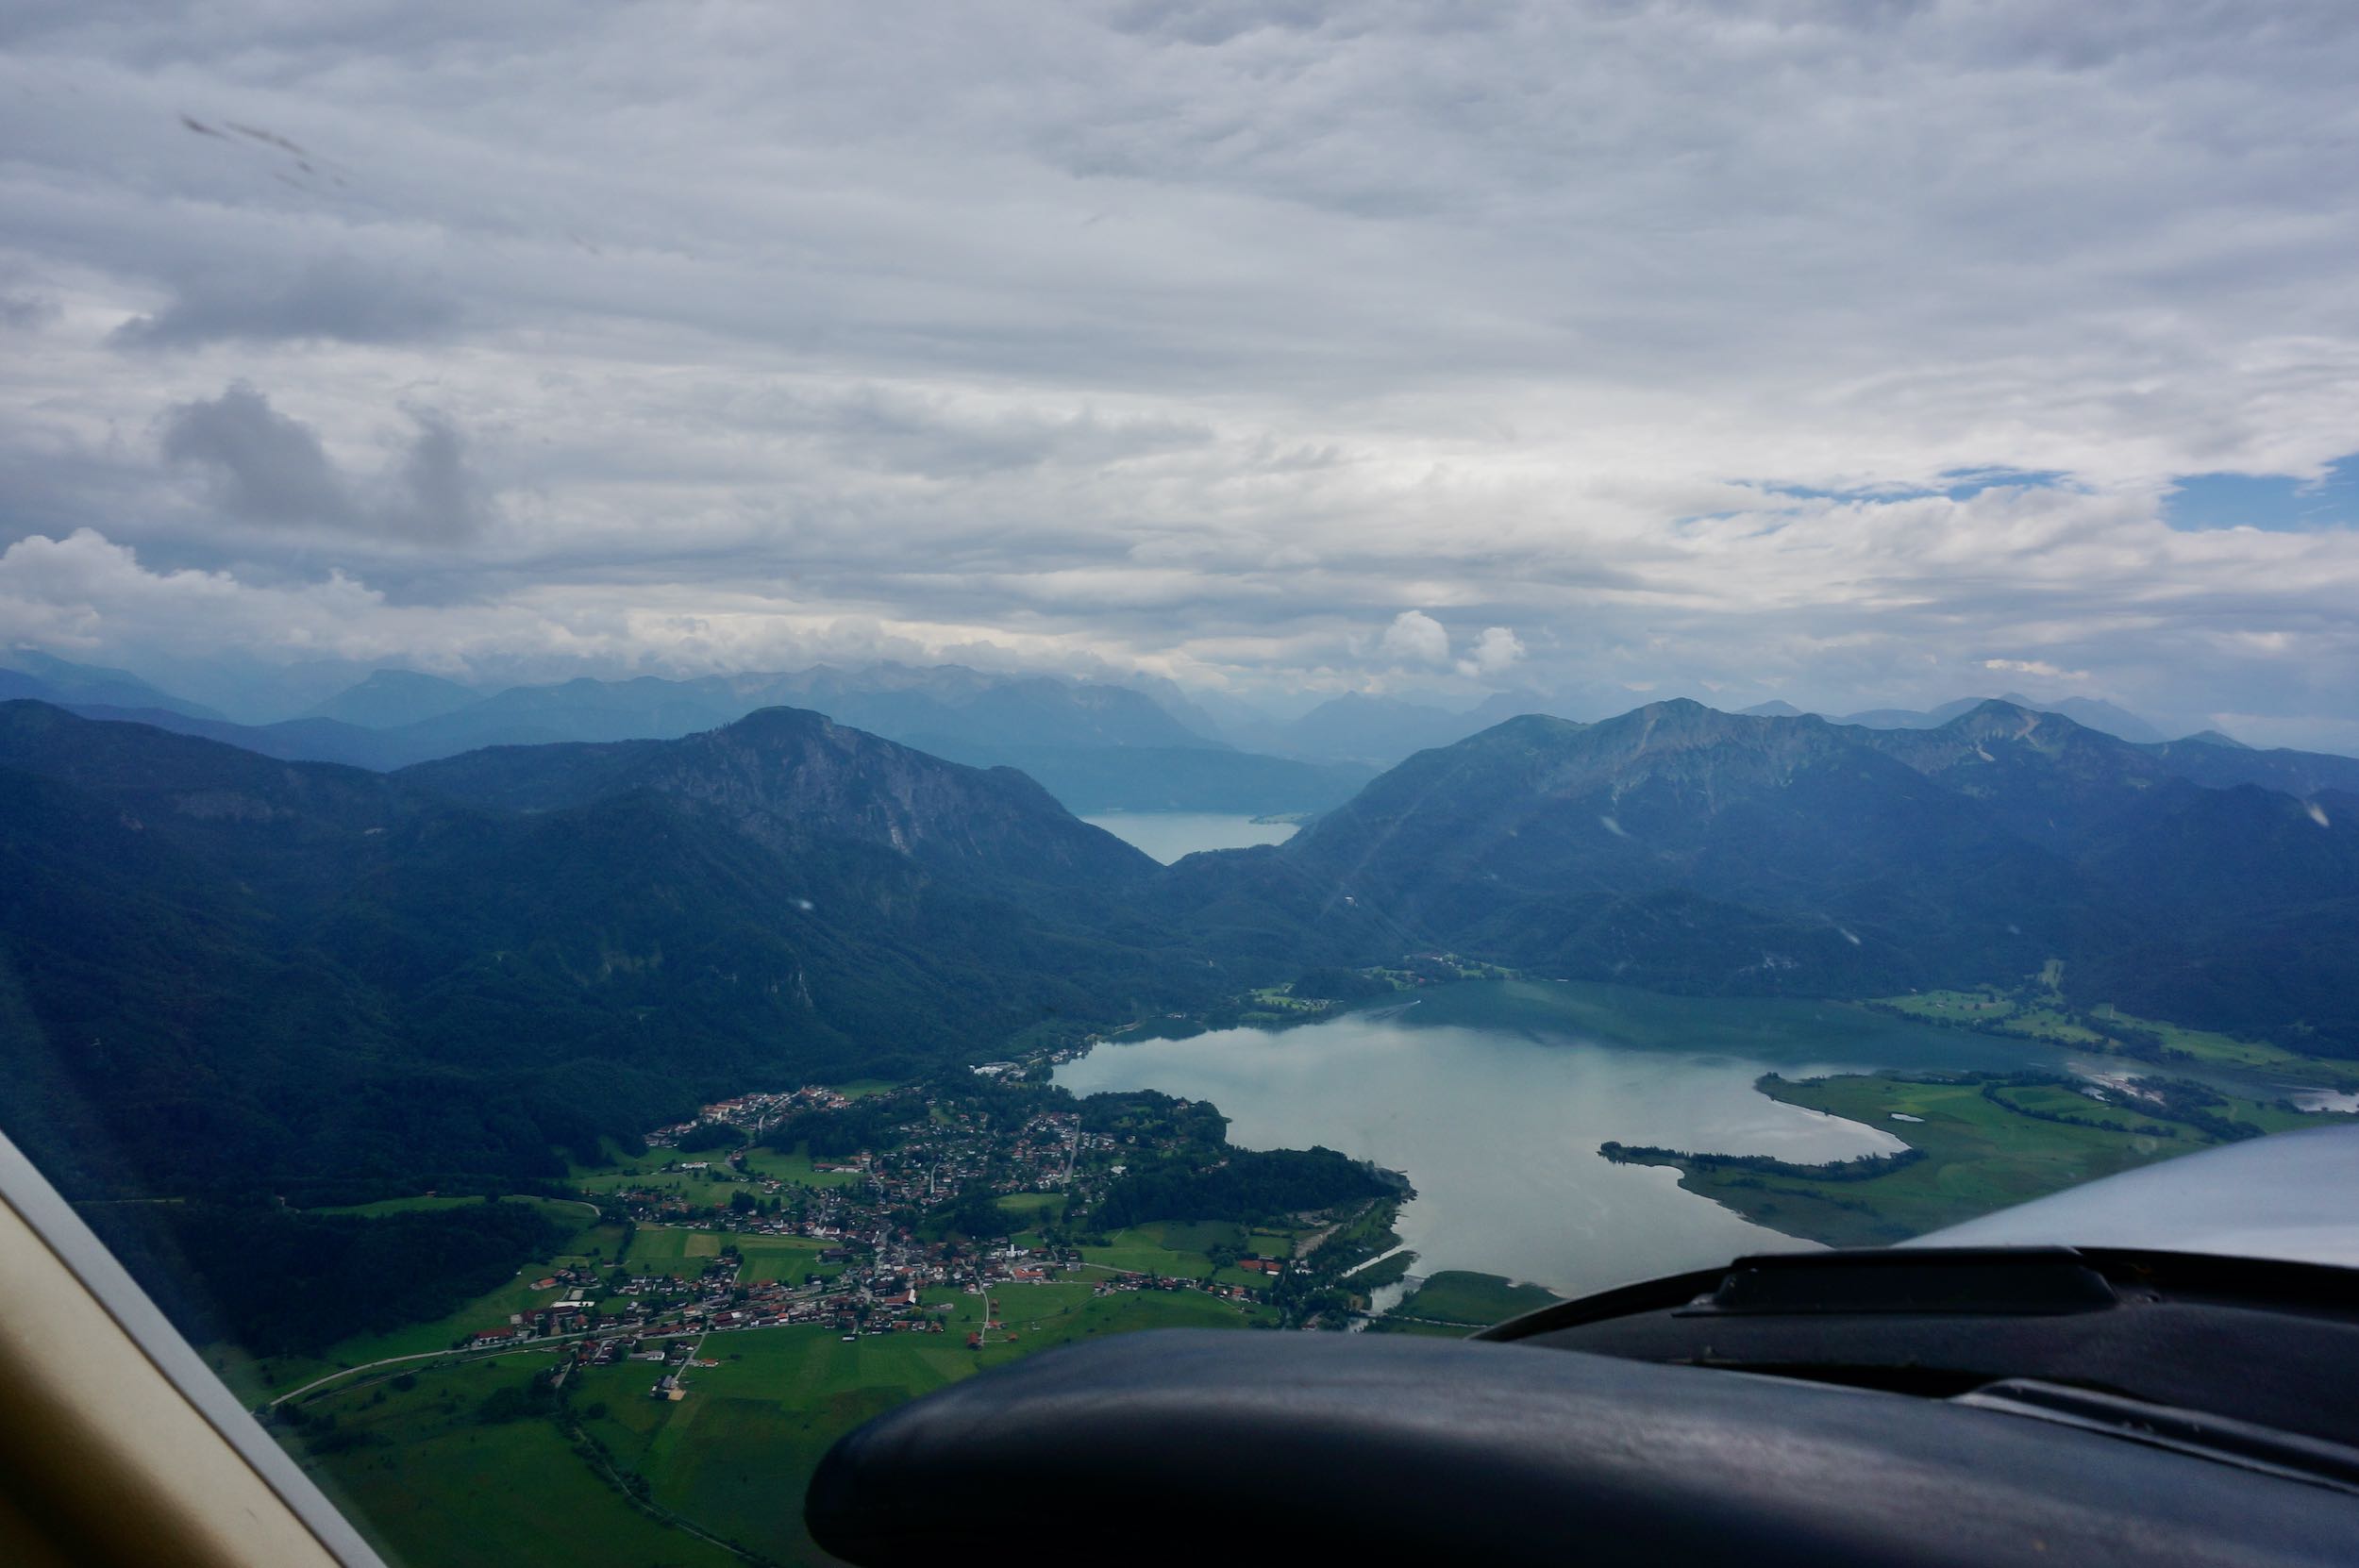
[(1179, 1248), (430, 1483), (672, 1249), (730, 1459), (1475, 1300), (1980, 1154)]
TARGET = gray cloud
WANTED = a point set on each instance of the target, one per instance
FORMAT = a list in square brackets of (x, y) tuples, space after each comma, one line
[(262, 466), (433, 493), (333, 297), (26, 310), (1198, 337)]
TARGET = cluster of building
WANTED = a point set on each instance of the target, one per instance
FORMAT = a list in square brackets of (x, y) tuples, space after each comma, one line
[(756, 1114), (871, 1270)]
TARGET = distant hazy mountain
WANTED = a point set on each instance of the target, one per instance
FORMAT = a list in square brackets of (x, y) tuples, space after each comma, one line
[(290, 739), (1359, 728), (1096, 747), (1774, 709), (2219, 763), (1363, 728), (1170, 697), (392, 698), (942, 705), (1881, 718), (28, 673), (2091, 712)]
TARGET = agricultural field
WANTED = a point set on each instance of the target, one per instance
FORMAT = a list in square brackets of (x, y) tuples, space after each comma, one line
[(674, 1249), (1984, 1006), (696, 1189), (1281, 1000), (797, 1167), (429, 1482), (2035, 1010), (729, 1460), (2206, 1045), (712, 1187), (1178, 1248), (1028, 1208)]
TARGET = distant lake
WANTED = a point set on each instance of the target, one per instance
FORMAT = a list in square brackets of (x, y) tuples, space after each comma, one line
[(1168, 835), (1494, 1096)]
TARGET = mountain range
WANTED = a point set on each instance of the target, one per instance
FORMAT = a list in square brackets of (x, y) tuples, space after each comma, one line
[(1681, 847), (1097, 748), (30, 673), (2090, 712), (237, 970), (1383, 731)]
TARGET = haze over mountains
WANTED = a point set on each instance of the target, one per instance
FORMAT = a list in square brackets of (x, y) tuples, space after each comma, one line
[(2091, 712), (1096, 746), (252, 970)]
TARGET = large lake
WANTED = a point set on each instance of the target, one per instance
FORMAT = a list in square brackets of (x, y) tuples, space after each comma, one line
[(1493, 1098), (1168, 835)]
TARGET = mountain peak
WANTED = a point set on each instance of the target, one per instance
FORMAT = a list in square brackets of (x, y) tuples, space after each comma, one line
[(27, 672), (391, 697), (778, 722), (788, 778), (1686, 721)]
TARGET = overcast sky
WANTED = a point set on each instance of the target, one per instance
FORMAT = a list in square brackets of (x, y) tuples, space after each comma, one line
[(1854, 353)]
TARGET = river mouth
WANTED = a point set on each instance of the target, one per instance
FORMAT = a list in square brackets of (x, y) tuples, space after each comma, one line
[(1494, 1096)]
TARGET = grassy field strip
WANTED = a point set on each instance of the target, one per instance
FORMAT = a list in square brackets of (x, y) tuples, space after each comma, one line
[(1464, 1300), (1980, 1153)]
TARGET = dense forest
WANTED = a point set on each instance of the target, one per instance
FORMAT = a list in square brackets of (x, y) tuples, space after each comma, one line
[(1248, 1186), (279, 1281), (229, 975)]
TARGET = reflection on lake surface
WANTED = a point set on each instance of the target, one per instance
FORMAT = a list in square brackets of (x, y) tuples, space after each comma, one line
[(1495, 1096), (1168, 835)]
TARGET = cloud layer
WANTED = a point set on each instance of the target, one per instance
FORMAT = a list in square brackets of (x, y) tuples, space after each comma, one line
[(1840, 351)]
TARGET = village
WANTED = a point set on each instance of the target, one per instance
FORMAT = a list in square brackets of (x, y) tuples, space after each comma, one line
[(966, 1195)]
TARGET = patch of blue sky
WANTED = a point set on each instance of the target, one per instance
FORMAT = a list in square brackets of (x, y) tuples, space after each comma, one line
[(1956, 484), (2272, 502)]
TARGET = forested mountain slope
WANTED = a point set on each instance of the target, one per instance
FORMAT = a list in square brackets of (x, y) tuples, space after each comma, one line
[(224, 970), (1683, 847)]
